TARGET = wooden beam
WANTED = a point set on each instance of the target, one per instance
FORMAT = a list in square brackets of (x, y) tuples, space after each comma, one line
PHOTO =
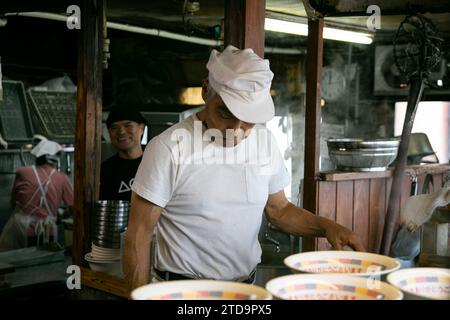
[(359, 8), (244, 24), (312, 120), (88, 123), (104, 282)]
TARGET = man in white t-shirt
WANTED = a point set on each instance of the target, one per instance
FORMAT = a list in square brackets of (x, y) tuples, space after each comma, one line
[(205, 182)]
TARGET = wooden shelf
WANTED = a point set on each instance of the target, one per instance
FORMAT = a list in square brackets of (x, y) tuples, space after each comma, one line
[(417, 170), (342, 176)]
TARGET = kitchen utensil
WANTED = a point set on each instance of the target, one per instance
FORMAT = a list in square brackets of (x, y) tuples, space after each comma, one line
[(415, 60)]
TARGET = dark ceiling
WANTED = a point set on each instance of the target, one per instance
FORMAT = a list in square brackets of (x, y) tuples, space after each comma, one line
[(177, 15), (199, 17)]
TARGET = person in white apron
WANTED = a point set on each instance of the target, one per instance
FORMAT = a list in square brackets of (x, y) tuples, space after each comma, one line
[(33, 222)]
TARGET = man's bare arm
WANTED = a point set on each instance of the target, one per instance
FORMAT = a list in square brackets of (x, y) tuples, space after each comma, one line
[(301, 222), (136, 264)]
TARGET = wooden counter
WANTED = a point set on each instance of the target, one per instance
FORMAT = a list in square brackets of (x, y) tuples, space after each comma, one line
[(358, 200)]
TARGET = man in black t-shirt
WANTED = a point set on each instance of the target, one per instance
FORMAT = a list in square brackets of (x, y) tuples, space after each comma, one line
[(125, 126)]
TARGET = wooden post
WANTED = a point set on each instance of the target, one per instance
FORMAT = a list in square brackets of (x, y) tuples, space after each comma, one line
[(312, 120), (244, 24), (88, 123)]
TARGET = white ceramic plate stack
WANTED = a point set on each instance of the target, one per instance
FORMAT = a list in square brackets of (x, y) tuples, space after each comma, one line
[(99, 253), (109, 266), (104, 260)]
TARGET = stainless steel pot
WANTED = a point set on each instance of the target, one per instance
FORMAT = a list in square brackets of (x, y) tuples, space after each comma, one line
[(111, 218), (362, 155)]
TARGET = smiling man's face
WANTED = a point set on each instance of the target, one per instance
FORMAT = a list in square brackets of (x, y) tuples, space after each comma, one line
[(126, 135)]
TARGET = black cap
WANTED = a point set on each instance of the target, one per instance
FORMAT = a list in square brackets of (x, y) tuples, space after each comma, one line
[(129, 113)]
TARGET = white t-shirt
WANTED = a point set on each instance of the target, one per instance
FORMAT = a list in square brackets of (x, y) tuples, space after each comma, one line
[(212, 197)]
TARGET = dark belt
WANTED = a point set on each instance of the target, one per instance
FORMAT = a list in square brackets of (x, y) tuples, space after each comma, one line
[(169, 276)]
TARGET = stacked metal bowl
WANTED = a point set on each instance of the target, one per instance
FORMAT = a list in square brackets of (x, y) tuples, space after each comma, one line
[(362, 155), (111, 219)]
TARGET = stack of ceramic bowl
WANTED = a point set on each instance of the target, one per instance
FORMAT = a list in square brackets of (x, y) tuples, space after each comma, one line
[(111, 219)]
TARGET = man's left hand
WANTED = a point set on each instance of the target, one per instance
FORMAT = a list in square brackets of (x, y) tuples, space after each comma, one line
[(340, 236)]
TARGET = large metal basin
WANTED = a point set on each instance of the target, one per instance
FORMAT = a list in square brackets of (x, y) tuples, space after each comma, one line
[(362, 155)]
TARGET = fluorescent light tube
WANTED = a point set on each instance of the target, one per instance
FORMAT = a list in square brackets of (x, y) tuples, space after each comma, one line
[(301, 29)]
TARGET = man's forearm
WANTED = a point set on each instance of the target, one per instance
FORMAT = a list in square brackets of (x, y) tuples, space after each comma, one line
[(300, 222), (136, 264), (143, 217)]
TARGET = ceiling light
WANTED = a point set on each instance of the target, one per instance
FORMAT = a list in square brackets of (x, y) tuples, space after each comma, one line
[(301, 29)]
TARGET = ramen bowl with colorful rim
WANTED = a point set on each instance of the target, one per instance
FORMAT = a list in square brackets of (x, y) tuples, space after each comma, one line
[(200, 290), (361, 264), (331, 287), (422, 283)]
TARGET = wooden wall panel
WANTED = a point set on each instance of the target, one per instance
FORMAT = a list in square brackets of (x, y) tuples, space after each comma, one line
[(406, 190), (437, 182), (420, 181), (327, 208), (344, 203), (377, 211), (404, 196), (361, 210), (388, 182)]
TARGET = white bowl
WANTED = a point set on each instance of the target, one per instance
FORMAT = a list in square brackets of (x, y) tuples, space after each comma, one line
[(422, 283), (331, 287), (361, 264), (200, 290), (111, 267)]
